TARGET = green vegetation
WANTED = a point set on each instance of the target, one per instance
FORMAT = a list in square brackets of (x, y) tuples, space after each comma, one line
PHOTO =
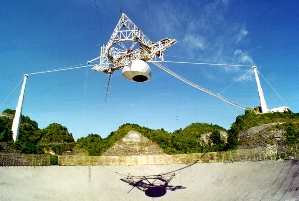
[(252, 119), (195, 138), (5, 130), (186, 140), (33, 140), (96, 146), (53, 159), (56, 137), (292, 132), (92, 143)]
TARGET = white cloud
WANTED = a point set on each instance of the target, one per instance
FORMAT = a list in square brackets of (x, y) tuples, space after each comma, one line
[(242, 34), (211, 34), (194, 41), (207, 32), (242, 57)]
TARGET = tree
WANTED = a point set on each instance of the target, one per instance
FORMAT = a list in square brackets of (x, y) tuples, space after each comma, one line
[(216, 138), (29, 136), (56, 133), (5, 131), (218, 143), (56, 137), (292, 133), (95, 145)]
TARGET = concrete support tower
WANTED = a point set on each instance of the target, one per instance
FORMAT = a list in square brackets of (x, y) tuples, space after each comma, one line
[(260, 91), (17, 118)]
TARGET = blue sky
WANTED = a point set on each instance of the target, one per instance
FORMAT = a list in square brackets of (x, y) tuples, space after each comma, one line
[(45, 35)]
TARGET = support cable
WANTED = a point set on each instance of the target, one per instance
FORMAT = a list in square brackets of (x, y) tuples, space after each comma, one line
[(149, 22), (235, 81), (273, 89), (204, 63), (61, 69), (191, 58), (120, 7), (95, 1), (11, 92), (197, 86)]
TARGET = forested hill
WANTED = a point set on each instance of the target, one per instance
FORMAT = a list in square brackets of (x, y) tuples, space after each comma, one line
[(33, 140), (198, 137), (261, 130), (249, 130)]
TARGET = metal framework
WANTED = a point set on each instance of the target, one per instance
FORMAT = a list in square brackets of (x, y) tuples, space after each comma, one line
[(128, 43), (116, 53)]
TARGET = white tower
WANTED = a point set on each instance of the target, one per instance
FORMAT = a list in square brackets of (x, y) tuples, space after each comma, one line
[(260, 91), (17, 118)]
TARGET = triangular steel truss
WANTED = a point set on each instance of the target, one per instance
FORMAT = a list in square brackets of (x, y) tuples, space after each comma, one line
[(117, 53)]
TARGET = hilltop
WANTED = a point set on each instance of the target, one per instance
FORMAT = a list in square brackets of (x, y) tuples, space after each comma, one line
[(253, 129), (54, 139), (250, 130)]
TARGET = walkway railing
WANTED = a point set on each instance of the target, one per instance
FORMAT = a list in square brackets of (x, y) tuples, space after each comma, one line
[(257, 154), (15, 159)]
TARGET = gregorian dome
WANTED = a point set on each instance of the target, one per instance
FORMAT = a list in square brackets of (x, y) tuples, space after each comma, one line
[(137, 71)]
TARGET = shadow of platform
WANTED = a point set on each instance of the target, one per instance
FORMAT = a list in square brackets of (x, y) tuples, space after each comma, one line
[(263, 180)]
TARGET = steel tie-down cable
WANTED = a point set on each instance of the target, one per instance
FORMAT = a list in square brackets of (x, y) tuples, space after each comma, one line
[(197, 86)]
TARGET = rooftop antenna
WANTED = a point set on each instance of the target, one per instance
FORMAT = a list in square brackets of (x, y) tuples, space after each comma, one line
[(17, 118), (260, 91)]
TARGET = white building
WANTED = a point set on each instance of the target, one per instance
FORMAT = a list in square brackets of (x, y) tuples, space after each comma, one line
[(280, 109)]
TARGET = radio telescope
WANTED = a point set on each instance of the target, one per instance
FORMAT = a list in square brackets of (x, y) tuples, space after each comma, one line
[(130, 49)]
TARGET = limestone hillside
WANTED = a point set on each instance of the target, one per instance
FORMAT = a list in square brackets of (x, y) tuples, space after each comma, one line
[(134, 144), (262, 130), (250, 130)]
